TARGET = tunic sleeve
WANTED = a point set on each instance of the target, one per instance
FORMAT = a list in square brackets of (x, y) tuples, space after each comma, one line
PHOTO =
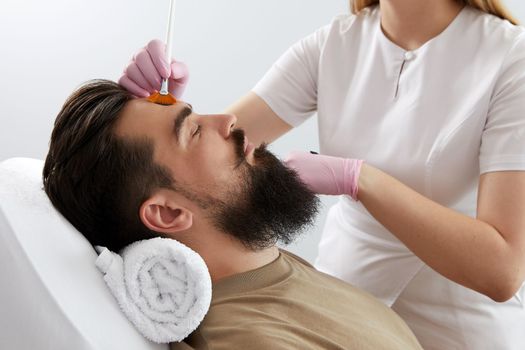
[(290, 86), (503, 138)]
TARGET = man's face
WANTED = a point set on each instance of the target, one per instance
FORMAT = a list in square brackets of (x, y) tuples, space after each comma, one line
[(198, 149), (246, 192)]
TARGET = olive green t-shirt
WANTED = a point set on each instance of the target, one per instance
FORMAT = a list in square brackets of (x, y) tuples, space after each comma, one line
[(287, 304)]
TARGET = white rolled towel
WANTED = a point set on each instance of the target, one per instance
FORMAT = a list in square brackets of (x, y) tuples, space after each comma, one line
[(162, 286)]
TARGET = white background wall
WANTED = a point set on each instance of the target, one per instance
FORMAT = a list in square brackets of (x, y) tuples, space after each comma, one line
[(48, 48)]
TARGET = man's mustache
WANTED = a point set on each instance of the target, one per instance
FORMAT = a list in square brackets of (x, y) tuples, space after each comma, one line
[(237, 136)]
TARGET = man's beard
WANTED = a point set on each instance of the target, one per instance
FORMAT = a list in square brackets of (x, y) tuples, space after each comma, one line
[(267, 203)]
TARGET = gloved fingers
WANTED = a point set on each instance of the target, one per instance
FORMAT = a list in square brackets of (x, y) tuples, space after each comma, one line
[(295, 160), (179, 72), (178, 79), (132, 87), (134, 73), (293, 156), (156, 50), (148, 70), (176, 88), (314, 170)]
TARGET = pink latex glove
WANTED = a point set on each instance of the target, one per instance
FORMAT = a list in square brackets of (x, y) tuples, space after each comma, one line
[(143, 75), (326, 174)]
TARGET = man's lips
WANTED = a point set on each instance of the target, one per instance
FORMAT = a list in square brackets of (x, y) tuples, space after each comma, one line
[(248, 146)]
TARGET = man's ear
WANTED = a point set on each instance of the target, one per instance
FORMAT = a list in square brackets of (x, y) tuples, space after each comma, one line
[(162, 213)]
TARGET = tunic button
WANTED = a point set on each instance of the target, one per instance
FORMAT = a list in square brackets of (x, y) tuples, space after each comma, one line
[(409, 55)]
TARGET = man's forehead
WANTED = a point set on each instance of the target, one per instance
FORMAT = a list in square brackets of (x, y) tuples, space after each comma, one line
[(140, 116)]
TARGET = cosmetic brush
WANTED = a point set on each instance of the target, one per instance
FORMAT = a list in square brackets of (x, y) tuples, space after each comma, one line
[(163, 97)]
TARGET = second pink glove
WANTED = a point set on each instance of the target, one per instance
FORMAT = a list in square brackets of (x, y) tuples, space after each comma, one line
[(326, 174), (145, 72)]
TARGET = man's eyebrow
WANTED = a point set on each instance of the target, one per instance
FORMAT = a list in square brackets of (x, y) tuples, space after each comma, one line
[(179, 119)]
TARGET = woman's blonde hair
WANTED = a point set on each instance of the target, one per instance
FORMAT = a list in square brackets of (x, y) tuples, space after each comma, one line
[(494, 7)]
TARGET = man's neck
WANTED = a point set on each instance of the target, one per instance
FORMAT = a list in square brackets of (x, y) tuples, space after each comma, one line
[(411, 23), (225, 256)]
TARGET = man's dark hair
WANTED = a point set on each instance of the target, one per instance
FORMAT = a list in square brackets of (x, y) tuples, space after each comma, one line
[(94, 178)]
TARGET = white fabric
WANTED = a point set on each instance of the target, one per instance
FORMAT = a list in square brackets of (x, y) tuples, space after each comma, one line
[(484, 326), (52, 296), (162, 286), (435, 118)]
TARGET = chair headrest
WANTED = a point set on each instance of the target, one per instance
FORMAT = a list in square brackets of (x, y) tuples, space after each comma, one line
[(52, 296)]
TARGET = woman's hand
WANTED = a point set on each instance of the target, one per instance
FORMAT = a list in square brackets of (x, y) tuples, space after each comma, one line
[(143, 75), (326, 174)]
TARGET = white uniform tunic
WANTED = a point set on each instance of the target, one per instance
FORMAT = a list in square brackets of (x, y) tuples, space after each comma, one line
[(435, 118)]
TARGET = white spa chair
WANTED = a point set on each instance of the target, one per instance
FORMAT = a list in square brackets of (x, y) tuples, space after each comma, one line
[(52, 297)]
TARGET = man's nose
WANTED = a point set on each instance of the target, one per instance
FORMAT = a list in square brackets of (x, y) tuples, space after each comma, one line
[(226, 123)]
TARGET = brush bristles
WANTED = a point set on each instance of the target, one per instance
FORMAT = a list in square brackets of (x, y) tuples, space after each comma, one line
[(160, 99)]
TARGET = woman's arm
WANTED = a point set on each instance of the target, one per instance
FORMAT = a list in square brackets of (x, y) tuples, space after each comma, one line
[(258, 120), (486, 254), (289, 87)]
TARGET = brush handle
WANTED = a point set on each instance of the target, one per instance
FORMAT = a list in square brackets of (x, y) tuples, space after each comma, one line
[(169, 35)]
